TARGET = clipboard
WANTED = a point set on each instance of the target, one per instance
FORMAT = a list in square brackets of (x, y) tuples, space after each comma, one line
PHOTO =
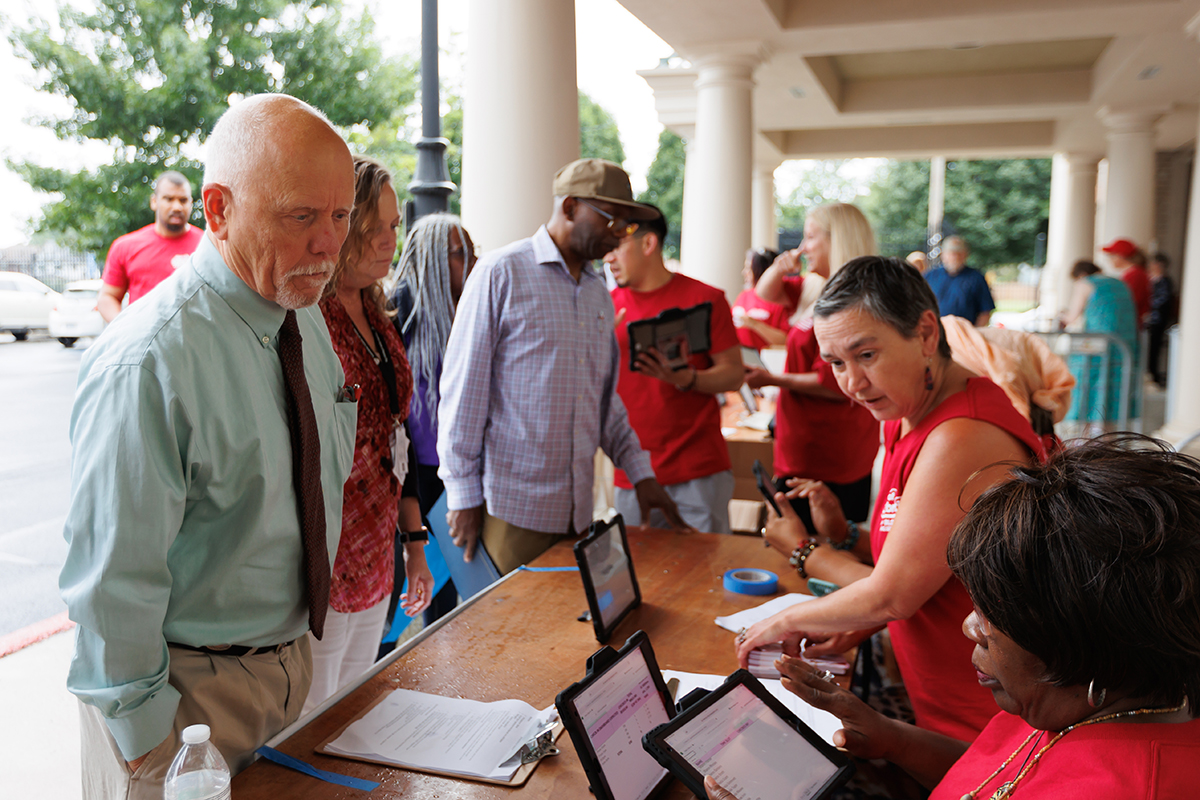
[(668, 331), (518, 779), (616, 678), (606, 567)]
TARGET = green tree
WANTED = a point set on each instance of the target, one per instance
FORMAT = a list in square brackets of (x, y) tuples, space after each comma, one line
[(898, 207), (822, 182), (999, 206), (598, 134), (664, 187), (150, 79)]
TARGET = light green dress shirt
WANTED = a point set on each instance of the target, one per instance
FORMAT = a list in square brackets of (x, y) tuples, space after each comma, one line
[(183, 525)]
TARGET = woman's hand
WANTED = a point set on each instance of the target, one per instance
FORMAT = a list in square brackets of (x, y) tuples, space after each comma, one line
[(757, 377), (827, 515), (714, 791), (837, 643), (420, 581), (769, 631), (865, 732), (787, 532)]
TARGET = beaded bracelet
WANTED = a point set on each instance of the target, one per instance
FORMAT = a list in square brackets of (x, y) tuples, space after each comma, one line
[(851, 540), (800, 556)]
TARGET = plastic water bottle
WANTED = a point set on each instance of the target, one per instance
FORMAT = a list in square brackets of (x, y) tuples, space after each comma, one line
[(199, 772)]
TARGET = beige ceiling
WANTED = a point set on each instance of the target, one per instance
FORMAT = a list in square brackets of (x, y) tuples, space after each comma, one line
[(994, 59), (926, 77)]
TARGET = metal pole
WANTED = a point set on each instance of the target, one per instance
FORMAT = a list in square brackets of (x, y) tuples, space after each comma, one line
[(431, 185)]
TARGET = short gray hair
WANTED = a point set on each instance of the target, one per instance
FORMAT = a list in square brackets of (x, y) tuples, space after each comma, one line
[(889, 289)]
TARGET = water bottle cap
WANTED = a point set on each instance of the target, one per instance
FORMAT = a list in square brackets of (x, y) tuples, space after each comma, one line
[(195, 734)]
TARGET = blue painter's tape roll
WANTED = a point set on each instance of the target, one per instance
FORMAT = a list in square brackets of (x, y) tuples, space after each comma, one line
[(751, 581)]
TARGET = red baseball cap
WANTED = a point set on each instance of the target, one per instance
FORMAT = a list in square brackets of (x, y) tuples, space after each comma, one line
[(1121, 247)]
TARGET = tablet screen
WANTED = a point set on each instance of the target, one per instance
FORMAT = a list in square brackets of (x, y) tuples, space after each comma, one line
[(617, 709), (608, 565), (750, 751)]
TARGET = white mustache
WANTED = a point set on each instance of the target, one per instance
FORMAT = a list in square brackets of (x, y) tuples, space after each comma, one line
[(314, 269)]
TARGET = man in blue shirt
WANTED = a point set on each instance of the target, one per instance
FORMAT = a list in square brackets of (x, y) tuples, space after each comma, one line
[(185, 564), (960, 290)]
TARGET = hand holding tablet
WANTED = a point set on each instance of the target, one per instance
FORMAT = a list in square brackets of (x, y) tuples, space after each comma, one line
[(752, 746)]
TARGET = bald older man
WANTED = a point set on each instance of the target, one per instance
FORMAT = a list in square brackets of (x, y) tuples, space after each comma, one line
[(196, 564)]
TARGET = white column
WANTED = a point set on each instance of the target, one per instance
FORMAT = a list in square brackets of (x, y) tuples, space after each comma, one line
[(1072, 233), (520, 114), (937, 194), (716, 232), (1185, 418), (764, 229), (1129, 199)]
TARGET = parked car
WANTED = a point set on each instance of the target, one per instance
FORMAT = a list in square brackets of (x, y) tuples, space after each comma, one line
[(25, 304), (76, 314)]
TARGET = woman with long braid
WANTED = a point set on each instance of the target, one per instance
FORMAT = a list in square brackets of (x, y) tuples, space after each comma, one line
[(437, 257)]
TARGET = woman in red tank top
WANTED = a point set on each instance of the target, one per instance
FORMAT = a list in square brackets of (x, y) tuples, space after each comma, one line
[(948, 435)]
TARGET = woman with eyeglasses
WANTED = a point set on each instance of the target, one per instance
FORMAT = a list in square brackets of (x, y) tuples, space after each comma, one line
[(380, 496)]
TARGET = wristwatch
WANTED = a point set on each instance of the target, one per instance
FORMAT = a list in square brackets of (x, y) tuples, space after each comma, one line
[(419, 535)]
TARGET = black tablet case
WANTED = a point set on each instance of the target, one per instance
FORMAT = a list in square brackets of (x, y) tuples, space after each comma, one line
[(597, 529), (597, 664), (651, 741)]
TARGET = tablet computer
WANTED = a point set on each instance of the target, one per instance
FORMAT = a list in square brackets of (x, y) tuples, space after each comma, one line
[(668, 331), (608, 578), (751, 744), (621, 699)]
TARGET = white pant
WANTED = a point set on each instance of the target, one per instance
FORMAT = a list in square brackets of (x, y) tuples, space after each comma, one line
[(347, 650), (703, 503)]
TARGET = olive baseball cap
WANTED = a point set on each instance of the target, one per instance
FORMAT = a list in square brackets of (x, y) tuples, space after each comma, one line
[(597, 179)]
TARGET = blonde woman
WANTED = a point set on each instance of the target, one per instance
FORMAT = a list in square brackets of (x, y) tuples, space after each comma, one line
[(819, 433)]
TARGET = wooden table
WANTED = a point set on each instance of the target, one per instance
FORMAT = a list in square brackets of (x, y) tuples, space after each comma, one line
[(746, 445), (521, 639)]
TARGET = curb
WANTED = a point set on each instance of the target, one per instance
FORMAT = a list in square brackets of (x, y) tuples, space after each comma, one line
[(32, 634)]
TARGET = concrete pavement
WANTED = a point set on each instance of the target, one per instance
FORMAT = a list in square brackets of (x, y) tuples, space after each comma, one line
[(39, 722)]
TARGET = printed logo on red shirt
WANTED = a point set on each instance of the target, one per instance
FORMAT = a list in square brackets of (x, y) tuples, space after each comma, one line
[(888, 515)]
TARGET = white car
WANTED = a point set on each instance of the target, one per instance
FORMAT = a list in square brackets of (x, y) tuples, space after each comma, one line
[(25, 304), (76, 314)]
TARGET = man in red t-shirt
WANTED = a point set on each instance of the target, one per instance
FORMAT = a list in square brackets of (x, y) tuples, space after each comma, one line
[(138, 261), (675, 412)]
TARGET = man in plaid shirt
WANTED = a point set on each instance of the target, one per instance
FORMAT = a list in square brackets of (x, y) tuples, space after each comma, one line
[(528, 390)]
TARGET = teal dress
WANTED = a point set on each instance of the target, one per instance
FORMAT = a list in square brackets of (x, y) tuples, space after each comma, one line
[(1098, 395)]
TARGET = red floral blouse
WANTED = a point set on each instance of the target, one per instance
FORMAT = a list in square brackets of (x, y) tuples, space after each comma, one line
[(365, 565)]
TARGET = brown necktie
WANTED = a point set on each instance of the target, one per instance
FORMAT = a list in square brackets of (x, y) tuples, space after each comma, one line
[(306, 473)]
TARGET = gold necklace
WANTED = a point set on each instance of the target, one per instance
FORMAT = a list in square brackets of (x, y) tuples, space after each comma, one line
[(1006, 789)]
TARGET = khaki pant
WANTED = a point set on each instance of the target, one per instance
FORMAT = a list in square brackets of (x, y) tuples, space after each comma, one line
[(245, 700), (511, 546)]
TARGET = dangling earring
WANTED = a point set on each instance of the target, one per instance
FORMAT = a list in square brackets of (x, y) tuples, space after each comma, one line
[(1093, 700), (928, 376)]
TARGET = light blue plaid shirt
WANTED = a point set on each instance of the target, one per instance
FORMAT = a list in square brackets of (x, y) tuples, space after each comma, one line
[(529, 391)]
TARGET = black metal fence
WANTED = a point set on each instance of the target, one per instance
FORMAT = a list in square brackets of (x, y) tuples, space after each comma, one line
[(52, 265)]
